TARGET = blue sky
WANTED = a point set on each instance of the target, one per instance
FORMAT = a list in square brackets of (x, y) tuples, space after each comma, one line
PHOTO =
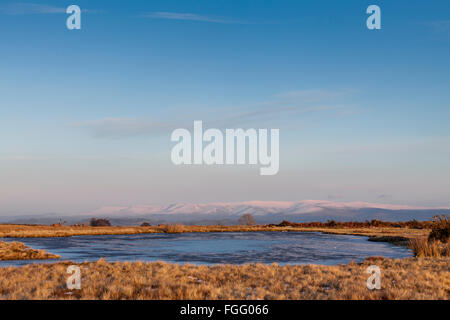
[(86, 115)]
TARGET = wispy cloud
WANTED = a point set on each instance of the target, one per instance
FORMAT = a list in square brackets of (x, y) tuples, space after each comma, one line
[(20, 157), (118, 128), (30, 8), (442, 26), (26, 8), (335, 196), (189, 17), (286, 105)]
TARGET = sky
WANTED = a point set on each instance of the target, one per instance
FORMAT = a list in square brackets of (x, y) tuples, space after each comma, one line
[(86, 115)]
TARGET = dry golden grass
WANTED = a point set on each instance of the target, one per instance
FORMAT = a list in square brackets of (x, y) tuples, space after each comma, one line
[(25, 231), (173, 228), (437, 244), (422, 247), (33, 231), (19, 251), (412, 278)]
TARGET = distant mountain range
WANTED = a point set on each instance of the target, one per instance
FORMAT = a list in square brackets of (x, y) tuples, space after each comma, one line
[(228, 213)]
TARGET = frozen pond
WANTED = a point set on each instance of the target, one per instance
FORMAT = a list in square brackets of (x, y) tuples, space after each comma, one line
[(213, 248)]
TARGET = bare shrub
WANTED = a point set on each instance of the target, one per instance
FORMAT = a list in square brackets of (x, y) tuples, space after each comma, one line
[(247, 219), (332, 223)]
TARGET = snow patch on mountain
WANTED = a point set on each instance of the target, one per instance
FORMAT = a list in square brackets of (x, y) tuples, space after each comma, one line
[(253, 207)]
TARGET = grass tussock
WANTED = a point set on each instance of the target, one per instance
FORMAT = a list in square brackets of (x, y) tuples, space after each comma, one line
[(423, 247), (19, 251), (412, 278), (438, 242), (173, 228)]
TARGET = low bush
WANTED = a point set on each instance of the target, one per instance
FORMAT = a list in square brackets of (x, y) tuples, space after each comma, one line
[(99, 223), (440, 229)]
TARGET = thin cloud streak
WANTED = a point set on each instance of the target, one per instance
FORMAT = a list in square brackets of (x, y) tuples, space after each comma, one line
[(30, 8), (441, 26), (117, 128), (188, 17), (290, 104), (26, 8)]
